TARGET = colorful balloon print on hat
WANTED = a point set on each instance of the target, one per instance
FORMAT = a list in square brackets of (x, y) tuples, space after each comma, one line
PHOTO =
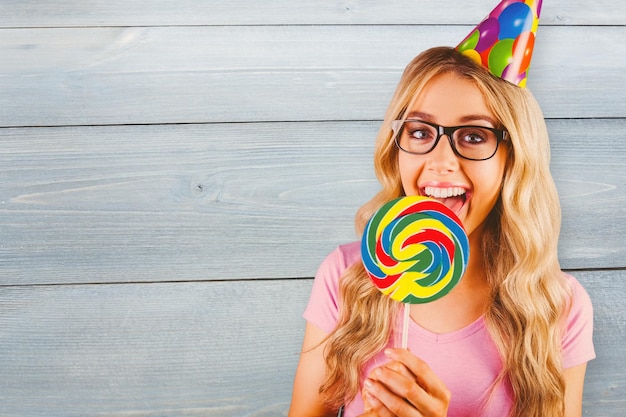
[(503, 42), (415, 249)]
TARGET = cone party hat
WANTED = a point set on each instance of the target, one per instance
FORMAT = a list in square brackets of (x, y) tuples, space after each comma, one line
[(503, 42)]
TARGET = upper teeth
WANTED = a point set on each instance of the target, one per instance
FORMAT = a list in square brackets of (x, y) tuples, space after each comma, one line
[(443, 192)]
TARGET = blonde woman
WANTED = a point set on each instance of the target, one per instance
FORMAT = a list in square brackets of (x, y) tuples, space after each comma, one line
[(513, 338)]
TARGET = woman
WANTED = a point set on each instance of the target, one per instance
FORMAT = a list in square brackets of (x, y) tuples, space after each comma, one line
[(513, 338)]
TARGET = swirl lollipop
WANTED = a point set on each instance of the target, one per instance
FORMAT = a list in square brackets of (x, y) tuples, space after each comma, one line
[(415, 250)]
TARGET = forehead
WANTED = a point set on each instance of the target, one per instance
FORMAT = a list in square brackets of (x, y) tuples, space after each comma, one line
[(449, 99)]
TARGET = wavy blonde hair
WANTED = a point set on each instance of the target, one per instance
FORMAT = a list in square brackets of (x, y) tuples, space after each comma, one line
[(519, 248)]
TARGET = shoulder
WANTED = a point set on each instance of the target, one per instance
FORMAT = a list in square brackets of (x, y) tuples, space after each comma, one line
[(577, 343), (323, 307), (579, 301), (340, 259), (333, 266)]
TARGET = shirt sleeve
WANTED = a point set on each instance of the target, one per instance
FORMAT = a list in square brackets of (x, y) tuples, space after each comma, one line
[(323, 307), (577, 344)]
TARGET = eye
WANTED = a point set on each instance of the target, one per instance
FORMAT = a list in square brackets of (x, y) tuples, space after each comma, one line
[(420, 134), (476, 136), (473, 138), (420, 131)]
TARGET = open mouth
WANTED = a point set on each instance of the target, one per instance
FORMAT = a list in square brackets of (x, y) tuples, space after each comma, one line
[(452, 197)]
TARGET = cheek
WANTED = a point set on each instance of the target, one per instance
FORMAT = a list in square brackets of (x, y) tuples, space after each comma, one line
[(409, 169), (490, 180)]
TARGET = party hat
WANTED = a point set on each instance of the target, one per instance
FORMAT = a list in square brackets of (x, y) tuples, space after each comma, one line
[(503, 42)]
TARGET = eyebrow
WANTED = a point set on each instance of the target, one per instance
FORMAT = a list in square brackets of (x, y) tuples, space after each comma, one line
[(465, 119)]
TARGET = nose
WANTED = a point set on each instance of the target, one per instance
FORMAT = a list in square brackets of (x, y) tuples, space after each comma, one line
[(442, 159)]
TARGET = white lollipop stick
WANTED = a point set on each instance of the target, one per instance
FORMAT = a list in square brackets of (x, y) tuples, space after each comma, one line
[(405, 325)]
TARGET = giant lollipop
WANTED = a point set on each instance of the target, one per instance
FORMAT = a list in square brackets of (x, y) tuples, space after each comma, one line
[(415, 250)]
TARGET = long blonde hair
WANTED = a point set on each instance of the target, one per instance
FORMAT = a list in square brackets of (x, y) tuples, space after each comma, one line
[(528, 294)]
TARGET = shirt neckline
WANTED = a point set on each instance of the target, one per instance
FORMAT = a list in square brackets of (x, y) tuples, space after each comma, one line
[(449, 337)]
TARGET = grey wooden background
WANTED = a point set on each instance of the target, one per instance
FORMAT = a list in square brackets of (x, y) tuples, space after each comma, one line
[(172, 173)]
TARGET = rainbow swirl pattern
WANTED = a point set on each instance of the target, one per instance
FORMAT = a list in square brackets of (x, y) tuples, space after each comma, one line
[(415, 249)]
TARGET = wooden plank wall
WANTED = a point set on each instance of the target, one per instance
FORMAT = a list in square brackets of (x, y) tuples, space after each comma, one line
[(172, 173)]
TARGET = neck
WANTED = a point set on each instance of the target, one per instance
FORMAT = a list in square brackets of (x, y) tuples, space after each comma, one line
[(475, 267)]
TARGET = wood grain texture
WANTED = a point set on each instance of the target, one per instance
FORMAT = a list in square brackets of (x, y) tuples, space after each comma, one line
[(158, 75), (194, 202), (211, 348), (66, 13)]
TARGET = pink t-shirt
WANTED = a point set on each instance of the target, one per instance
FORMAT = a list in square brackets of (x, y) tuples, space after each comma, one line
[(466, 360)]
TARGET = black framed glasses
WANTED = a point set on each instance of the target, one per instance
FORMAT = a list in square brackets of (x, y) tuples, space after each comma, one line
[(476, 143)]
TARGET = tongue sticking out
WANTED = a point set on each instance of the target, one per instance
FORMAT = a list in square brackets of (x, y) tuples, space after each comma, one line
[(452, 197), (454, 203)]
